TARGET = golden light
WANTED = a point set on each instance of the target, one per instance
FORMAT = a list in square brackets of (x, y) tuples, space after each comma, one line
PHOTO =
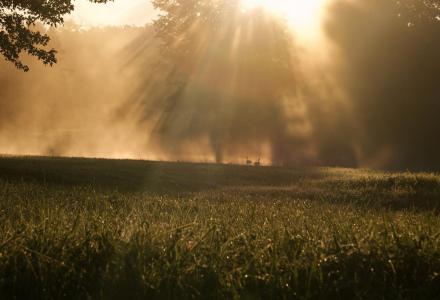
[(114, 13), (303, 15)]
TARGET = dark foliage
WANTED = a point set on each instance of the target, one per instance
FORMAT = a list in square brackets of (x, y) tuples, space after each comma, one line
[(390, 73), (21, 23)]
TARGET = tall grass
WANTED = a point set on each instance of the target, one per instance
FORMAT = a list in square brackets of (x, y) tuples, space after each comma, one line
[(193, 232)]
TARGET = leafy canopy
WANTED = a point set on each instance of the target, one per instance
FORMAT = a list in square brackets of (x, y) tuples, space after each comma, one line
[(20, 21), (231, 71)]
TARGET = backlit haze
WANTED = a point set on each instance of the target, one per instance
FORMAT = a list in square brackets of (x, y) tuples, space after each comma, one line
[(117, 13), (316, 82), (304, 16)]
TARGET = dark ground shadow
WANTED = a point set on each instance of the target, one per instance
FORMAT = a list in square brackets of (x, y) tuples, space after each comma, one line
[(365, 188)]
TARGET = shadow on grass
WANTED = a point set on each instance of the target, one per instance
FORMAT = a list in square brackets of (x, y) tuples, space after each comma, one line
[(132, 175), (367, 188)]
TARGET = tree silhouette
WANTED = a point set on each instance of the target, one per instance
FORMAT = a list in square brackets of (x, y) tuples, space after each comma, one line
[(390, 74), (231, 71), (21, 23)]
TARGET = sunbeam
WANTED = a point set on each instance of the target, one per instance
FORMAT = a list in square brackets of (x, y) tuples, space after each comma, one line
[(304, 16)]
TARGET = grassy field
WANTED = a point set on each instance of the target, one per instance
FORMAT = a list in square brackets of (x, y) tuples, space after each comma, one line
[(83, 228)]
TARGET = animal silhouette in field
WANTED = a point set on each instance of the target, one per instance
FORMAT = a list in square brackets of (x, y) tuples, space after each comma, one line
[(257, 163)]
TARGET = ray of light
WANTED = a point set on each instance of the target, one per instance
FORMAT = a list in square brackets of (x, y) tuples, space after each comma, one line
[(304, 16)]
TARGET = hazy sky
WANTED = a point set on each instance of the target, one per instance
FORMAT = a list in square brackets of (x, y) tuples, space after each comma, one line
[(304, 15), (119, 12)]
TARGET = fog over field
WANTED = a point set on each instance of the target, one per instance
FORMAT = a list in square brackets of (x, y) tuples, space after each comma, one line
[(364, 93), (219, 149)]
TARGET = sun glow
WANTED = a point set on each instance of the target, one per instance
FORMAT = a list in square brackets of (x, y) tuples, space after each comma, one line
[(303, 15)]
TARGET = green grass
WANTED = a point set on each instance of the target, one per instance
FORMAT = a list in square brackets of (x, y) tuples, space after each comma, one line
[(78, 228)]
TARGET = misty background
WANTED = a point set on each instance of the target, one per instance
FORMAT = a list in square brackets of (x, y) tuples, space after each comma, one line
[(365, 95)]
